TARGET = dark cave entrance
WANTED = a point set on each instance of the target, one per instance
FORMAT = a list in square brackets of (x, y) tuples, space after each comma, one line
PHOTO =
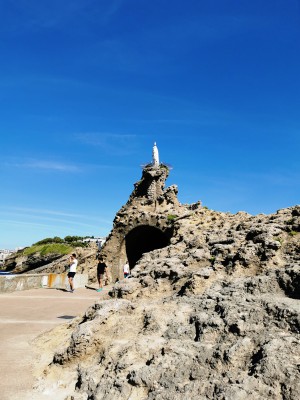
[(143, 239)]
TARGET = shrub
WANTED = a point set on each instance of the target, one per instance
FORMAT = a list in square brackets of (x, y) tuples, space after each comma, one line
[(293, 233), (56, 245), (70, 239), (43, 241), (278, 239), (78, 244), (171, 217), (57, 239)]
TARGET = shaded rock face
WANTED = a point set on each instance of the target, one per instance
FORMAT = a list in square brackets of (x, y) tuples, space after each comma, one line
[(212, 314)]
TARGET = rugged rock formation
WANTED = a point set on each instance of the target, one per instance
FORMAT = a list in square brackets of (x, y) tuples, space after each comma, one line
[(51, 263), (145, 222), (20, 263), (211, 311)]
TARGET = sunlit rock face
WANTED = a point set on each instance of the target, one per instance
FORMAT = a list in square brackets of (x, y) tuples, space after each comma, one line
[(51, 263), (214, 314), (211, 311)]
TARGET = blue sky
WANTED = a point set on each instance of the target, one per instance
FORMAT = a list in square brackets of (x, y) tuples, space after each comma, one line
[(87, 86)]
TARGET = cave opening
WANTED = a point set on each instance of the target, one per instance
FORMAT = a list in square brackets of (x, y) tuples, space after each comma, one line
[(143, 239)]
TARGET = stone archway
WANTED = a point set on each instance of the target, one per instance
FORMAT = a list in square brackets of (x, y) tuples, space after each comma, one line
[(142, 239)]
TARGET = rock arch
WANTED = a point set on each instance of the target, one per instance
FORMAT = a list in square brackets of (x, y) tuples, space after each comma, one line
[(142, 239), (145, 222)]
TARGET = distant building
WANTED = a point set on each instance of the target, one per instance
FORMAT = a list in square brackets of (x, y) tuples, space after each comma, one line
[(3, 254), (98, 240)]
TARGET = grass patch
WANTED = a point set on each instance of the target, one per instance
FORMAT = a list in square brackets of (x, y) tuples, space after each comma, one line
[(293, 233), (171, 217), (50, 248)]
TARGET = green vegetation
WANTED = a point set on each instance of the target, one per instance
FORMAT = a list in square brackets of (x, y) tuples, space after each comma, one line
[(278, 239), (56, 245), (44, 249), (67, 239), (171, 217), (205, 207), (293, 233), (56, 239)]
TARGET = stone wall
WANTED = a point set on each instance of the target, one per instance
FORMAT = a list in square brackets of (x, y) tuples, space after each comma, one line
[(12, 283)]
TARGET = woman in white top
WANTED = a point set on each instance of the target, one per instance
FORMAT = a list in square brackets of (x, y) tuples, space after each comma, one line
[(72, 271), (126, 269)]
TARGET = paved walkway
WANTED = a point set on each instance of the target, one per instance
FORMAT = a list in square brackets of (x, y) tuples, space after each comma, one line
[(23, 316)]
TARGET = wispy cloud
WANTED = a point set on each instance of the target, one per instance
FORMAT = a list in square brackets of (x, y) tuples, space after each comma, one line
[(56, 221), (44, 165), (258, 179), (110, 143), (42, 81), (25, 225), (60, 167), (32, 15), (44, 214), (175, 38), (284, 178), (112, 7)]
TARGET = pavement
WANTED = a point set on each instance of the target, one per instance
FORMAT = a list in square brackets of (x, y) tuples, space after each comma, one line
[(23, 316)]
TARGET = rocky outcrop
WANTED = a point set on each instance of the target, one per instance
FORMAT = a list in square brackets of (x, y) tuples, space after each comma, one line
[(20, 263), (215, 314), (36, 262), (145, 222), (230, 343), (211, 310)]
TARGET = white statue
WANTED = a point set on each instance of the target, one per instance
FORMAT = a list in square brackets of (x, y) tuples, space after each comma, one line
[(155, 157)]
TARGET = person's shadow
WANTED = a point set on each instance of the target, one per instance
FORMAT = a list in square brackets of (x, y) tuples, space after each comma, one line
[(90, 287)]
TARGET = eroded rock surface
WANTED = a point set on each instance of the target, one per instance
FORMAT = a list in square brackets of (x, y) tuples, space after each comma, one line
[(213, 315), (35, 263)]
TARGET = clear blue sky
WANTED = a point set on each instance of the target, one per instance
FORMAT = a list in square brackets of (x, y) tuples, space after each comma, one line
[(87, 86)]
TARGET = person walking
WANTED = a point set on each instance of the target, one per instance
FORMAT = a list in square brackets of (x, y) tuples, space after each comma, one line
[(72, 271), (101, 270), (126, 269)]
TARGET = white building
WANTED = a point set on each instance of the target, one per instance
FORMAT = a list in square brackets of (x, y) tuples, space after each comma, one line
[(98, 240), (3, 254)]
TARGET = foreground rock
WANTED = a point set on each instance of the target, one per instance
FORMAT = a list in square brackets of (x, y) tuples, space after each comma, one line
[(34, 263), (211, 310), (213, 315)]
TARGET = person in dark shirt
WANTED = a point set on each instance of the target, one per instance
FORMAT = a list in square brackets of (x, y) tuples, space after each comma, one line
[(101, 270)]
